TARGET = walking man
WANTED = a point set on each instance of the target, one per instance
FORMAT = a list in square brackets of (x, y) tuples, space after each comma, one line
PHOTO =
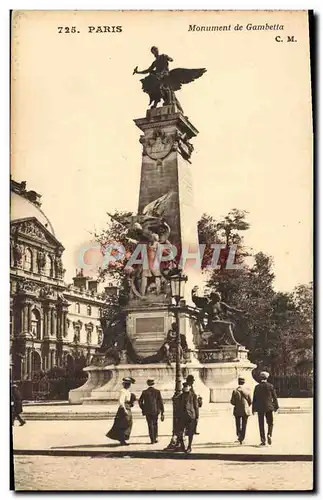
[(188, 413), (241, 401), (16, 405), (265, 403), (151, 404)]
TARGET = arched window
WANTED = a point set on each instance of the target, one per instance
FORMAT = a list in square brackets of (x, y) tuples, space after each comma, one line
[(89, 336), (100, 336), (77, 333), (67, 326), (77, 308), (35, 323), (49, 266), (28, 260), (89, 310)]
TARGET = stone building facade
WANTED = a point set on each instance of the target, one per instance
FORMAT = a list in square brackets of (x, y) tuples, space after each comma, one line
[(51, 323)]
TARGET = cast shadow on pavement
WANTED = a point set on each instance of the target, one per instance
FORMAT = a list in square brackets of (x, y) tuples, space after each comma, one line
[(229, 444), (118, 445), (106, 445)]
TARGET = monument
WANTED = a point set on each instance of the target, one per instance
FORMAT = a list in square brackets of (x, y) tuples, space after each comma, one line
[(138, 342)]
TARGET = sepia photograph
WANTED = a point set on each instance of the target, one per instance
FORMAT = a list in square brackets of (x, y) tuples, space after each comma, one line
[(161, 251)]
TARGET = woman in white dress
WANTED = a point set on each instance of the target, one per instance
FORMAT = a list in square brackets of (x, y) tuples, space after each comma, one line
[(122, 425)]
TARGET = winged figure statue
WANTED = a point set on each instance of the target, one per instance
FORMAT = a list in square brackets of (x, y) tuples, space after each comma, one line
[(152, 230), (161, 84)]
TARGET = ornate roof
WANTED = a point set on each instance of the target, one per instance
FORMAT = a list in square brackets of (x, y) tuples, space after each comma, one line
[(22, 208)]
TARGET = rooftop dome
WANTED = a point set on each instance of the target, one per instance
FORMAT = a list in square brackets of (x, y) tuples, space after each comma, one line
[(21, 208)]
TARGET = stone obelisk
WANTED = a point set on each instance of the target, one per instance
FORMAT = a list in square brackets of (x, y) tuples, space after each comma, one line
[(166, 170)]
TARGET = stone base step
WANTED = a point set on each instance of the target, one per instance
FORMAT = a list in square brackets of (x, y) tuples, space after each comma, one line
[(80, 413)]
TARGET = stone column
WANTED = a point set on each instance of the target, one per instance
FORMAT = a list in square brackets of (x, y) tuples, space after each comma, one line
[(29, 317), (49, 320), (59, 324), (25, 318), (64, 325), (23, 366), (53, 322), (28, 361)]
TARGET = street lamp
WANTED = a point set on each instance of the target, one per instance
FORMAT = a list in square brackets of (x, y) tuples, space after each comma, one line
[(177, 282)]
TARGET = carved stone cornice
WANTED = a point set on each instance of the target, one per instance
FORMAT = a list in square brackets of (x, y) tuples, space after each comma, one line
[(27, 287)]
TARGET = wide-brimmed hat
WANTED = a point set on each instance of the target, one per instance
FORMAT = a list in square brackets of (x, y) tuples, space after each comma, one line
[(150, 381), (190, 378)]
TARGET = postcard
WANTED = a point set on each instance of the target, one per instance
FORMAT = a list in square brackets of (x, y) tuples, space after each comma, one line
[(161, 274)]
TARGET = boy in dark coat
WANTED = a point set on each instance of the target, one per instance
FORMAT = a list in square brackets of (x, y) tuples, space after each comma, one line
[(151, 404), (241, 401), (188, 414), (265, 403), (190, 380)]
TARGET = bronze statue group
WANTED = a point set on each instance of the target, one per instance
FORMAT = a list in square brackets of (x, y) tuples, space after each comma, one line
[(264, 403)]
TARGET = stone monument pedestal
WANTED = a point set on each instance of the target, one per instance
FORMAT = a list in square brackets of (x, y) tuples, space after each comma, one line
[(147, 326), (104, 383), (215, 377), (221, 368)]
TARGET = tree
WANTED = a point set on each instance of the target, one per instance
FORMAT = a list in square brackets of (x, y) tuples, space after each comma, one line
[(114, 272), (302, 348), (227, 232)]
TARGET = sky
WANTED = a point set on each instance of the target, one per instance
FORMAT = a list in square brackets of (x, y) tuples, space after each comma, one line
[(74, 140)]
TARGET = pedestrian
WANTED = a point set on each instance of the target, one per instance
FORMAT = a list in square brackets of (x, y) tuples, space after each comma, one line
[(188, 413), (16, 405), (122, 425), (265, 403), (151, 404), (241, 401), (190, 380)]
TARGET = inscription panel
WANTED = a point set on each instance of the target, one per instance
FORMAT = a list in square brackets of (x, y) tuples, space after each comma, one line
[(150, 325)]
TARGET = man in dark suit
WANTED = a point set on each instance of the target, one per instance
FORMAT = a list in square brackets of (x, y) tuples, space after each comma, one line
[(265, 403), (241, 402), (151, 404), (188, 414), (16, 405)]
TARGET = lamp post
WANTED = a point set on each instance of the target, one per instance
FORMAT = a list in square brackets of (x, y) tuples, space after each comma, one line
[(177, 282)]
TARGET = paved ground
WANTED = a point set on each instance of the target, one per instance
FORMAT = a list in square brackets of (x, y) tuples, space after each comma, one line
[(292, 435), (84, 473)]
